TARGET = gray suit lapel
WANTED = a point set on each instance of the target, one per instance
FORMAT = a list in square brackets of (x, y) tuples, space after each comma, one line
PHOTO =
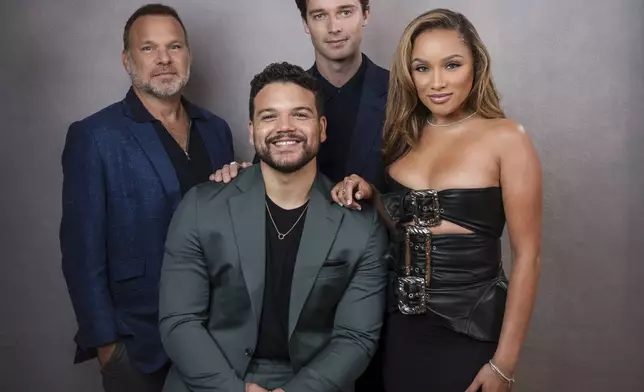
[(249, 225), (320, 228)]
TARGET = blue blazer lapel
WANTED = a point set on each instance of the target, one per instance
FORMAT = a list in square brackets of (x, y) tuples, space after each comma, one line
[(214, 132), (149, 141), (211, 140), (371, 114)]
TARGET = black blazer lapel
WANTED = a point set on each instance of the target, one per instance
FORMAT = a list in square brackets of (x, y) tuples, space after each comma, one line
[(371, 114)]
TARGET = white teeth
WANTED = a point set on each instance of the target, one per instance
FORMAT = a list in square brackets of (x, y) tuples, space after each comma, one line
[(286, 143)]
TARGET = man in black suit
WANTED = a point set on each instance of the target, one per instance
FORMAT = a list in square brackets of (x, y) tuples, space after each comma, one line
[(353, 87)]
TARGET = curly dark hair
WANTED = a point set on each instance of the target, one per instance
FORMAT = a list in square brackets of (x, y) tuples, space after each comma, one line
[(284, 73), (301, 5)]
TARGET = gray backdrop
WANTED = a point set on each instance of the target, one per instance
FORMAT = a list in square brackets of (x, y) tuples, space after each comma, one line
[(570, 71)]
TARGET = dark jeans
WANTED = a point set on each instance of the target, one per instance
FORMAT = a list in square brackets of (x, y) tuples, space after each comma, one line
[(120, 376)]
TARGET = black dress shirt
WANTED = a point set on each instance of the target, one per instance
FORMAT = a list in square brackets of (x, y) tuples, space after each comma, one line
[(341, 110), (192, 168)]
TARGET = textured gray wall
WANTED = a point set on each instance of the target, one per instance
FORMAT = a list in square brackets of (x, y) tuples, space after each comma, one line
[(570, 71)]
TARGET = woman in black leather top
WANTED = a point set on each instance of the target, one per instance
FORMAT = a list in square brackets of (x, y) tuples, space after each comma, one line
[(456, 170)]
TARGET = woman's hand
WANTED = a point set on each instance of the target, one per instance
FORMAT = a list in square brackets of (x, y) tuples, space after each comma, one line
[(349, 191), (488, 381)]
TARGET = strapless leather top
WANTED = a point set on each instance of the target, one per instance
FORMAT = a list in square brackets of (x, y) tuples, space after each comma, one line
[(457, 277), (477, 209)]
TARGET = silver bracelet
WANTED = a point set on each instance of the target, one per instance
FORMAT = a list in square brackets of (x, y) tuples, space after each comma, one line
[(498, 371)]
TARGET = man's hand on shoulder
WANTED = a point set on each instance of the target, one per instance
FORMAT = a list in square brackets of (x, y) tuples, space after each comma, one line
[(229, 172)]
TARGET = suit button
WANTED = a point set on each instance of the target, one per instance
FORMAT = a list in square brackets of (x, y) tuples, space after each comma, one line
[(249, 352)]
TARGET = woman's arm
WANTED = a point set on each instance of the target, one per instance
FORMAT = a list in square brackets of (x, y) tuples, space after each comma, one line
[(521, 182)]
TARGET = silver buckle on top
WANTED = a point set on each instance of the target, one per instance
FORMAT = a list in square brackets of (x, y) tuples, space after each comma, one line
[(431, 214)]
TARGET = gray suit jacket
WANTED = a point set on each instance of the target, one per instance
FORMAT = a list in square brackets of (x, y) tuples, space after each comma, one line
[(212, 286)]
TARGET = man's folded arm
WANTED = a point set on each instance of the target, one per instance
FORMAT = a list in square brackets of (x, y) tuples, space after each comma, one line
[(183, 307), (357, 324)]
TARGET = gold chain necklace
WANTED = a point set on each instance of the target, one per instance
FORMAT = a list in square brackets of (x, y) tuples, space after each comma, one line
[(447, 125), (281, 236)]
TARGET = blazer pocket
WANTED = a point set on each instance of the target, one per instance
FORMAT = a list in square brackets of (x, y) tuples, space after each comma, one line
[(334, 263), (333, 269), (125, 270)]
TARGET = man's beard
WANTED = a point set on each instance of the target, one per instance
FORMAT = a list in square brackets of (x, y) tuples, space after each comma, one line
[(309, 152), (159, 90)]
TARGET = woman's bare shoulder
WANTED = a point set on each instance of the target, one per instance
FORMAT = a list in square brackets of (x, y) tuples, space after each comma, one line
[(505, 131)]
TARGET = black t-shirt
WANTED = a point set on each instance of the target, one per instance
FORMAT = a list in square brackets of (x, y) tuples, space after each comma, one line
[(280, 263)]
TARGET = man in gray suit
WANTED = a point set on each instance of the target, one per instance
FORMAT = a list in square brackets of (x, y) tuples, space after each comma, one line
[(267, 285)]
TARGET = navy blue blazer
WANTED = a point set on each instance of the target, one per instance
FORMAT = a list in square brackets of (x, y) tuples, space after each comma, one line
[(365, 155), (120, 190)]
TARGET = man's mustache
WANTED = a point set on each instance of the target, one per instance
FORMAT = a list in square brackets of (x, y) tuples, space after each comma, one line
[(165, 70), (285, 136)]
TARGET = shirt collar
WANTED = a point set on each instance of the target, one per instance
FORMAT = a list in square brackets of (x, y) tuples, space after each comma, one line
[(356, 80), (142, 115)]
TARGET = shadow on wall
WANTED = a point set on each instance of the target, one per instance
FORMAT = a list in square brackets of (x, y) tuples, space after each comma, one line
[(233, 41), (633, 311), (212, 86)]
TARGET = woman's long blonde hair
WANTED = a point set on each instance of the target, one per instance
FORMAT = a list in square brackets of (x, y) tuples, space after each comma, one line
[(406, 115)]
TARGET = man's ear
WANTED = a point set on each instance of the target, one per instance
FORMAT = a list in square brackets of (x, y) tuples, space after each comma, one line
[(251, 132), (306, 26), (322, 129), (125, 61), (366, 16)]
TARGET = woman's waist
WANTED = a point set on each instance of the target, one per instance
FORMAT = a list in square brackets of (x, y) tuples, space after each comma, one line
[(452, 260), (473, 308)]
